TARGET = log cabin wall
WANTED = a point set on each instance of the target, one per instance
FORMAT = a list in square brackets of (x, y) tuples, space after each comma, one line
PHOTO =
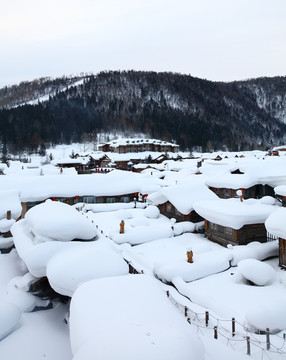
[(169, 210), (253, 232), (227, 235), (254, 192)]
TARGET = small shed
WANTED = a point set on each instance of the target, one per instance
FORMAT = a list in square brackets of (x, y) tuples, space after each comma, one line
[(230, 221)]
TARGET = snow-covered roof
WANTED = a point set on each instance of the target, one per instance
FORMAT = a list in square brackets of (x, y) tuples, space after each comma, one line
[(183, 196), (279, 148), (280, 190), (73, 266), (136, 308), (54, 220), (275, 223), (138, 141), (234, 213), (117, 182)]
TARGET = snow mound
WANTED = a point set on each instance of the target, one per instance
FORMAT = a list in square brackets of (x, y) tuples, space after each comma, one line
[(268, 316), (5, 225), (259, 273), (183, 226), (152, 212), (204, 264), (275, 223), (253, 250), (59, 221), (268, 200), (152, 345), (9, 318), (10, 200), (143, 234), (139, 221), (132, 316), (123, 214), (69, 268)]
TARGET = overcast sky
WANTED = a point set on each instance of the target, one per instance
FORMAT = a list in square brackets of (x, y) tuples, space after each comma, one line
[(212, 39)]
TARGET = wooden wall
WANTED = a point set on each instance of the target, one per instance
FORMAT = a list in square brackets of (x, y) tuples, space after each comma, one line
[(226, 235)]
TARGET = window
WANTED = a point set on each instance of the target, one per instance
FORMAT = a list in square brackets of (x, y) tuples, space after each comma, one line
[(213, 226), (228, 230), (110, 200), (125, 199), (88, 199)]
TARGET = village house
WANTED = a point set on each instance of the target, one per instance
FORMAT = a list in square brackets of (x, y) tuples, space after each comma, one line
[(177, 201), (231, 221), (115, 186), (123, 146), (226, 186), (80, 164)]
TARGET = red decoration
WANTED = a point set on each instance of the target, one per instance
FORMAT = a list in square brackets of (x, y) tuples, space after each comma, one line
[(76, 197), (53, 198)]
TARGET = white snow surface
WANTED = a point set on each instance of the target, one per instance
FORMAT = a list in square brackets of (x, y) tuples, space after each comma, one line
[(275, 223), (142, 234), (10, 200), (137, 309), (234, 213), (259, 273), (35, 255), (267, 316), (10, 316), (204, 264), (58, 221), (71, 267), (37, 188)]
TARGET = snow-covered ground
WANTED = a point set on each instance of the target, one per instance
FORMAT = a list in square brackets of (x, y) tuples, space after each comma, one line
[(114, 315)]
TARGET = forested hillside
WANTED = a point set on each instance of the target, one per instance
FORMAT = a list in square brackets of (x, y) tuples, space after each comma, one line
[(190, 111)]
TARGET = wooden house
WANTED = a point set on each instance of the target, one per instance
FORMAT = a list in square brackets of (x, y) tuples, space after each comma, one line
[(177, 201), (124, 146), (115, 186), (225, 186), (170, 211), (230, 221), (225, 235)]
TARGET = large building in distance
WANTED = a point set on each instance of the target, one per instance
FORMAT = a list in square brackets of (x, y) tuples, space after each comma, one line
[(123, 146)]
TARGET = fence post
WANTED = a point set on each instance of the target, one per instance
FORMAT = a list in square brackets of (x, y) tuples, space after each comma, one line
[(248, 345), (167, 292), (215, 332), (8, 215), (207, 318), (186, 311), (267, 339), (188, 320), (233, 327)]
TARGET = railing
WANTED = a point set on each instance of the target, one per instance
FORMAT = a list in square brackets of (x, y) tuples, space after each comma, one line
[(271, 237), (233, 333)]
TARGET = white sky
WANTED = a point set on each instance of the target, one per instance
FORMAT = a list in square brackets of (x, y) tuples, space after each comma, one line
[(213, 39)]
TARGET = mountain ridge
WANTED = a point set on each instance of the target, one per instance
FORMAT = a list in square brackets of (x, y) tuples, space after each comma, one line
[(193, 112)]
